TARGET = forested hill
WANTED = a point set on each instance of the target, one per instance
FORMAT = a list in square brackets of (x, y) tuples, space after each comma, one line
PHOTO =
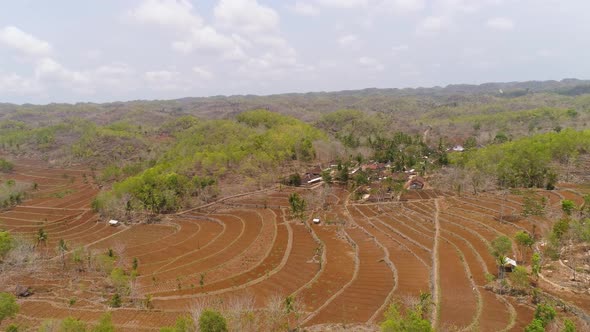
[(309, 106)]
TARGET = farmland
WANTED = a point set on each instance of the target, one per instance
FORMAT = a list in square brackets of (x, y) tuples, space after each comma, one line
[(343, 272)]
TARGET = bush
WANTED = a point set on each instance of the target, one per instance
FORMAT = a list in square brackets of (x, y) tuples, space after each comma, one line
[(568, 206), (413, 320), (116, 301), (6, 243), (105, 324), (6, 166), (71, 324), (8, 306), (12, 328), (545, 313), (212, 321), (568, 326), (535, 326)]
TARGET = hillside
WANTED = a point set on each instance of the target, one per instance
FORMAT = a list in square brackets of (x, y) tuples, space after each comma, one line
[(456, 208)]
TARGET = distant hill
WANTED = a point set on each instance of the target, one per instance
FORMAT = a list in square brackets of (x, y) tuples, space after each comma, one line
[(305, 106)]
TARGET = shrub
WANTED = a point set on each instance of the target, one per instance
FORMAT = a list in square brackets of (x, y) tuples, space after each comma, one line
[(535, 326), (116, 301), (6, 166), (568, 326), (6, 243), (71, 324), (105, 324), (8, 306), (212, 321), (568, 206), (545, 313)]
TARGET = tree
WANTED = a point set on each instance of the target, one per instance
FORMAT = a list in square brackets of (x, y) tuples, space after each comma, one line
[(212, 321), (6, 243), (500, 247), (524, 241), (105, 324), (8, 306), (297, 205)]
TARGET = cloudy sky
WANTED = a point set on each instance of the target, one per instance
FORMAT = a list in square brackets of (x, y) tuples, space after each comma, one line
[(108, 50)]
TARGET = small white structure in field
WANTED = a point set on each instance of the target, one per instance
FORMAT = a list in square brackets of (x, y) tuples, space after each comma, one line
[(316, 221), (314, 180), (113, 222), (458, 148), (510, 262)]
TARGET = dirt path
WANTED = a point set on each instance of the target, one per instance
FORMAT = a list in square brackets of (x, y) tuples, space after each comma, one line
[(435, 267)]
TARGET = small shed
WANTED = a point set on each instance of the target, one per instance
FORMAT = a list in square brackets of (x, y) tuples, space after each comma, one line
[(415, 182), (113, 222), (510, 264)]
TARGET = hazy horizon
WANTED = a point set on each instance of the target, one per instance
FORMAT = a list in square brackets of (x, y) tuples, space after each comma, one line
[(167, 49)]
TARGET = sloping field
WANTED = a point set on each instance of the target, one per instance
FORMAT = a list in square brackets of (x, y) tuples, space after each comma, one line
[(346, 270)]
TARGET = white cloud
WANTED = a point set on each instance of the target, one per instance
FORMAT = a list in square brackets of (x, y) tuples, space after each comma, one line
[(206, 39), (344, 4), (49, 69), (304, 8), (13, 83), (173, 13), (160, 76), (19, 40), (433, 25), (399, 48), (350, 40), (203, 73), (246, 15), (500, 23), (402, 6), (371, 63)]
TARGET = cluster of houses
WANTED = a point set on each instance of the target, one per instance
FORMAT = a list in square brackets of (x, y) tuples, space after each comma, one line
[(376, 173)]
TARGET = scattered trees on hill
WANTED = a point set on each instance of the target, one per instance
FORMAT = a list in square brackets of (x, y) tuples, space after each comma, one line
[(250, 147), (526, 162), (525, 242)]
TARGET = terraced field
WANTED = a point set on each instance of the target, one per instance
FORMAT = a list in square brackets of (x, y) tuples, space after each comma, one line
[(345, 271)]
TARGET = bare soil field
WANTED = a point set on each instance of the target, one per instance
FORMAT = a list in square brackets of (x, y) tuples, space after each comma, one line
[(344, 272)]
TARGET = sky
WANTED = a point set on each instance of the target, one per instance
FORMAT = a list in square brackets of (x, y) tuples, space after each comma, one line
[(112, 50)]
